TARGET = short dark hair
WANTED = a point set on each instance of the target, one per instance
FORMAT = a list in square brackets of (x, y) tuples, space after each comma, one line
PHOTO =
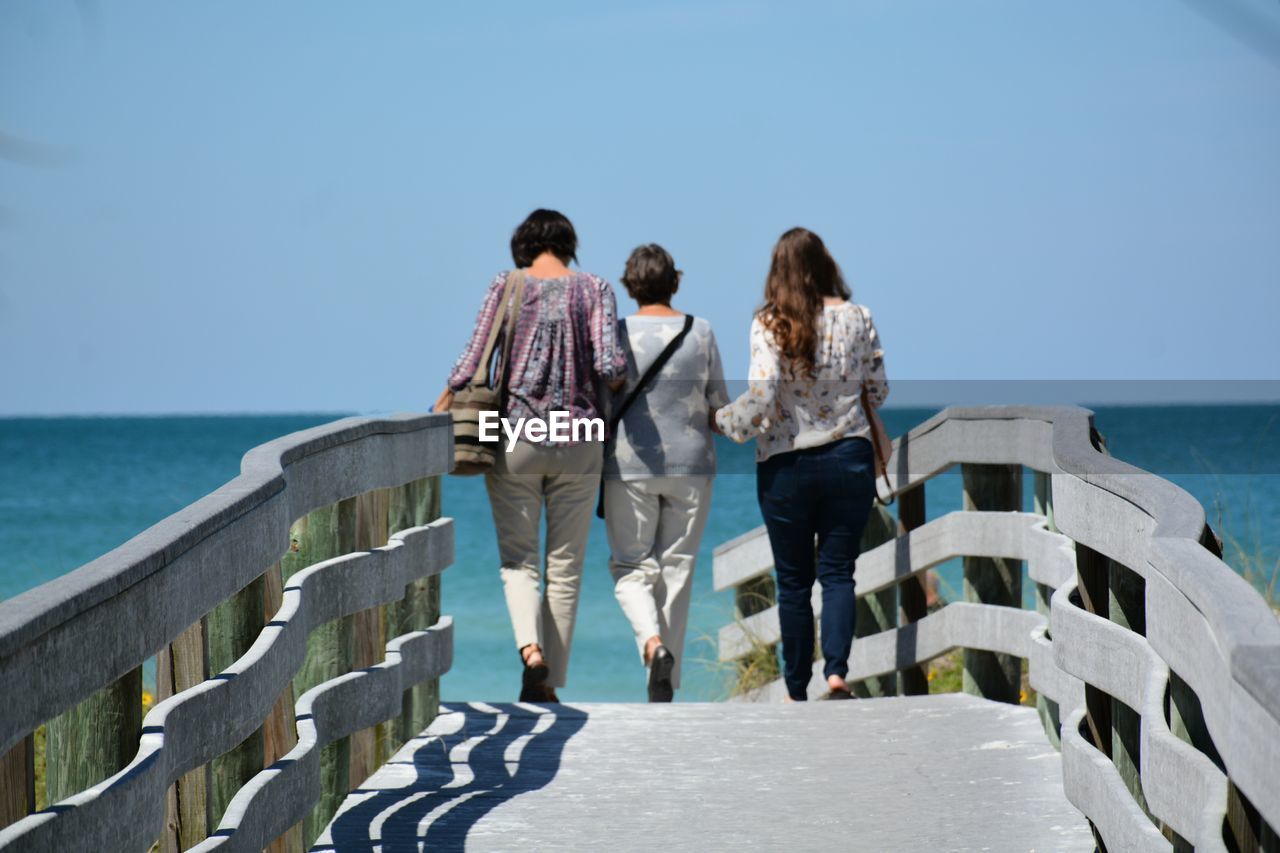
[(544, 231), (651, 277)]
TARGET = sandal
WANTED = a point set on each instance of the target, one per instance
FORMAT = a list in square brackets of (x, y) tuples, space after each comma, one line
[(533, 680)]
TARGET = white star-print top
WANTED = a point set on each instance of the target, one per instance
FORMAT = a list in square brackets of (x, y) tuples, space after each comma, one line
[(784, 412), (667, 431)]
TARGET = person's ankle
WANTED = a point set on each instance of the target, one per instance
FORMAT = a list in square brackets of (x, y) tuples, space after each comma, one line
[(532, 655), (651, 646)]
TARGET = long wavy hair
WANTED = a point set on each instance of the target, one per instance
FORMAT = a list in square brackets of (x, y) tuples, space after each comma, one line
[(801, 274)]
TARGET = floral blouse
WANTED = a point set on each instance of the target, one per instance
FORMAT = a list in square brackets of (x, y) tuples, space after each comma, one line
[(787, 412), (566, 339)]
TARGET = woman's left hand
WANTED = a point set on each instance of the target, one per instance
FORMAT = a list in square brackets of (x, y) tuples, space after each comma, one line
[(444, 401)]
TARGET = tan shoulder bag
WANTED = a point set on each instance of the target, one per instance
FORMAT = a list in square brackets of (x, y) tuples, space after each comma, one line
[(482, 393)]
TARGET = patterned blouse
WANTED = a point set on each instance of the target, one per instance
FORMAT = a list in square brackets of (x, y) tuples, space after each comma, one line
[(791, 413), (565, 339)]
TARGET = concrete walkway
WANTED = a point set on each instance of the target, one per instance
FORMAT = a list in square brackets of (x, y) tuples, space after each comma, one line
[(945, 772)]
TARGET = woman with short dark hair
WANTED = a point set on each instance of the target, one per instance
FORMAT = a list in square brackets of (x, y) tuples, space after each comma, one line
[(813, 351), (564, 341), (659, 465)]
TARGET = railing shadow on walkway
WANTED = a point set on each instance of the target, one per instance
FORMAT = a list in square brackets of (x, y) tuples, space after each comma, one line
[(489, 755)]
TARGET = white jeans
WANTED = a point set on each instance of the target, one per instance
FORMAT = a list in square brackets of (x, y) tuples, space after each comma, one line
[(566, 480), (655, 526)]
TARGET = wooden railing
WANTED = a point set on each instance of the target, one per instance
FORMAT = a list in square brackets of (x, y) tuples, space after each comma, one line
[(313, 574), (1157, 667)]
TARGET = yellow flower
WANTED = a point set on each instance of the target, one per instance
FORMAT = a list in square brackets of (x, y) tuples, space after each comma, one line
[(1022, 695), (147, 699)]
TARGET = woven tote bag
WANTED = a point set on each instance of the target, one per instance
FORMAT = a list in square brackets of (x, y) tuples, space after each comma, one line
[(484, 392)]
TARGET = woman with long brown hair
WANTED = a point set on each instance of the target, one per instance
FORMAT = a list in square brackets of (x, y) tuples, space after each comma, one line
[(813, 351)]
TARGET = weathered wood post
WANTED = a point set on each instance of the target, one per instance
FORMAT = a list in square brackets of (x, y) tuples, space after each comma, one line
[(369, 634), (878, 611), (321, 535), (913, 598), (1048, 710), (992, 581), (96, 738), (196, 802), (182, 664), (413, 505), (18, 781), (279, 730), (232, 627)]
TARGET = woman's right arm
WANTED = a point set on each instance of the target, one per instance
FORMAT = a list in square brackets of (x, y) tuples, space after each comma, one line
[(750, 414), (469, 361)]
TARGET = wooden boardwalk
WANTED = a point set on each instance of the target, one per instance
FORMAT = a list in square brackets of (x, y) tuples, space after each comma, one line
[(943, 772), (284, 678)]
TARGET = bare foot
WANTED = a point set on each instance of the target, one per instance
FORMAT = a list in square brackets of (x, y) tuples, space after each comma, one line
[(836, 683)]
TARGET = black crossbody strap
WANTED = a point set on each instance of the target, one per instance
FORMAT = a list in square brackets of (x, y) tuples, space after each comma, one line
[(658, 363)]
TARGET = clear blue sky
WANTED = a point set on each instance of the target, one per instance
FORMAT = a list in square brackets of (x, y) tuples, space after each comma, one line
[(243, 208)]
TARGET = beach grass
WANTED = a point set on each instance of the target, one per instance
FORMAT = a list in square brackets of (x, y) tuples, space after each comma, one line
[(1243, 548)]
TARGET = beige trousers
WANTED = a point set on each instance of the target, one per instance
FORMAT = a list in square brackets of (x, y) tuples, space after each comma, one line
[(655, 526), (565, 480)]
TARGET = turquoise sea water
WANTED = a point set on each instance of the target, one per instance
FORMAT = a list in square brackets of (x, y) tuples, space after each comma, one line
[(73, 488)]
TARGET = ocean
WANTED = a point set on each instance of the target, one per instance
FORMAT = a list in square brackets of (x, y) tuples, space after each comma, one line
[(71, 489)]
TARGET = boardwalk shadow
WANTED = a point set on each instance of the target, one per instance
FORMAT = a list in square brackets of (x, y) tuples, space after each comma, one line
[(487, 755)]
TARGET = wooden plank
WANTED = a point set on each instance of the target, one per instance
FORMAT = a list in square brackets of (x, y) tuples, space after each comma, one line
[(321, 535), (913, 596), (877, 611), (563, 777), (18, 781), (413, 505), (181, 665), (232, 627), (995, 581), (94, 739)]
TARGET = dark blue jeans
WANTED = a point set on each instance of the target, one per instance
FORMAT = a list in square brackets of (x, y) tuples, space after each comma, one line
[(823, 492)]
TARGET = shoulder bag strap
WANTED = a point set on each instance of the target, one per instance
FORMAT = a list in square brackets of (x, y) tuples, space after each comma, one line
[(658, 363), (652, 371), (509, 338), (515, 279)]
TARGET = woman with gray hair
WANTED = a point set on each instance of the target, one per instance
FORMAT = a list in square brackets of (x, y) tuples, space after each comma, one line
[(659, 463)]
